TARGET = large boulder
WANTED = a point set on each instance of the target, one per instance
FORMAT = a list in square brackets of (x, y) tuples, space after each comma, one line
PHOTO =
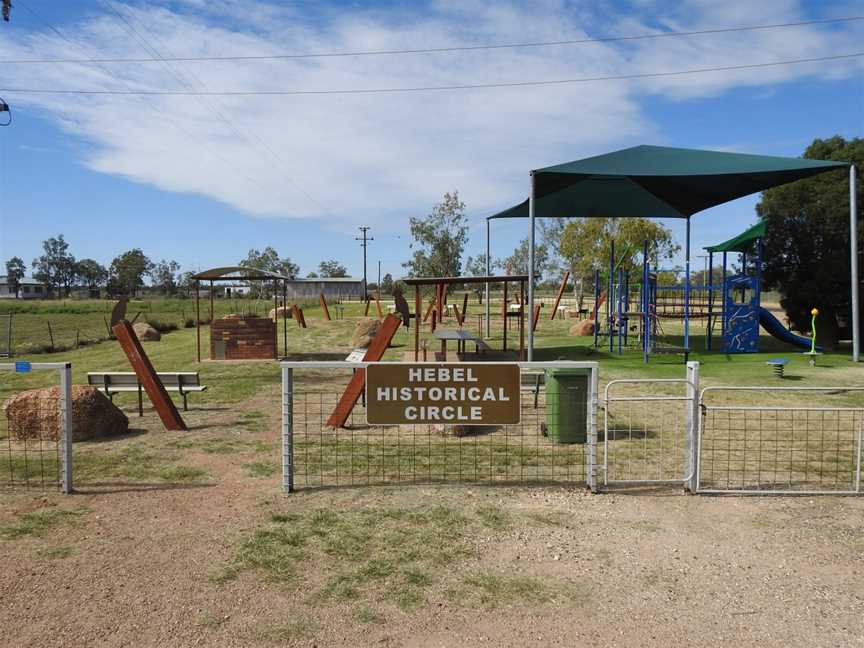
[(364, 332), (35, 414), (145, 332), (582, 328), (283, 312)]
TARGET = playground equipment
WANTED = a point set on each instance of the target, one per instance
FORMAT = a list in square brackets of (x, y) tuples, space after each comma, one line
[(741, 313), (640, 328)]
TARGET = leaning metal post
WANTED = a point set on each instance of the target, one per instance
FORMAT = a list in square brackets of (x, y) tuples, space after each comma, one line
[(66, 424), (691, 436), (853, 262), (287, 429)]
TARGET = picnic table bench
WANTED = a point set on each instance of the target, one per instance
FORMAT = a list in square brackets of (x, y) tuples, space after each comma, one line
[(461, 336), (116, 382)]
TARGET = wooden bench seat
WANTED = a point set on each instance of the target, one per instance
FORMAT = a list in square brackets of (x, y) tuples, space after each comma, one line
[(117, 382)]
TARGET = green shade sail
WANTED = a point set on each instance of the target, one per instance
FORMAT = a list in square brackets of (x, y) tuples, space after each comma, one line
[(741, 243), (658, 182)]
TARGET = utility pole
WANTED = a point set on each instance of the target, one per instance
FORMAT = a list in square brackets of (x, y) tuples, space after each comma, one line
[(365, 241), (379, 276)]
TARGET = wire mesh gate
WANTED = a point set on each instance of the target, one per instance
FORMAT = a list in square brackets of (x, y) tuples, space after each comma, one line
[(35, 433), (648, 428), (315, 455), (770, 440)]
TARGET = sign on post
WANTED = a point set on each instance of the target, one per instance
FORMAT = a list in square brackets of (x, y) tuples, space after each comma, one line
[(464, 394)]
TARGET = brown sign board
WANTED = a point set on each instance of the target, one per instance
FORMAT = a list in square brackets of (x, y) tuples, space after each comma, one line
[(444, 393)]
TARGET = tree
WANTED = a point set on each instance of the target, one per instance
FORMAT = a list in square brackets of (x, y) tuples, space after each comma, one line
[(387, 284), (15, 269), (476, 266), (586, 244), (269, 260), (806, 255), (312, 275), (128, 270), (332, 269), (186, 282), (518, 261), (92, 273), (440, 240), (56, 267), (165, 276)]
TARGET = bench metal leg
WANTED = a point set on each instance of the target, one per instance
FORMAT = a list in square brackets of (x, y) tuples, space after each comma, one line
[(185, 405), (140, 401)]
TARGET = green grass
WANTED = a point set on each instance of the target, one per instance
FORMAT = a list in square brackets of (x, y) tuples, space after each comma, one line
[(284, 631), (358, 556), (493, 589), (55, 553), (38, 523)]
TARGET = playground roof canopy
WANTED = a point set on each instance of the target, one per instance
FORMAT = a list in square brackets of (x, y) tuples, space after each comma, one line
[(658, 182), (238, 273), (741, 243)]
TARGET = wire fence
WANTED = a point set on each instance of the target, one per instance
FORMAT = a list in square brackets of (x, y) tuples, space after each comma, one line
[(785, 445), (537, 449), (35, 448)]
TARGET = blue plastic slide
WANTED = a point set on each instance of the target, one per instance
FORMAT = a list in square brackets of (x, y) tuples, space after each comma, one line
[(775, 328)]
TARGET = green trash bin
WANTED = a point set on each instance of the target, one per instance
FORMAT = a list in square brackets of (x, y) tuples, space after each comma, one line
[(567, 405)]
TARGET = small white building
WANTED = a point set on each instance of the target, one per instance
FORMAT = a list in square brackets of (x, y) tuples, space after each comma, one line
[(28, 288)]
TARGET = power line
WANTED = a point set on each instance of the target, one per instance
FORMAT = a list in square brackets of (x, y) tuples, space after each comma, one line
[(148, 47), (439, 50), (470, 86), (149, 105)]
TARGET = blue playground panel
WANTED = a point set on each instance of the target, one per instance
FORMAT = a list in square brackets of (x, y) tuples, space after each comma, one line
[(740, 314)]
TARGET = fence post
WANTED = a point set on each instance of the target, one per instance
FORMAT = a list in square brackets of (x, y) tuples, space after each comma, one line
[(591, 455), (66, 424), (691, 437), (287, 429)]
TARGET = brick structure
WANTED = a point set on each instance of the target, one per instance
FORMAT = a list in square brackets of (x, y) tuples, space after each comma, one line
[(250, 338)]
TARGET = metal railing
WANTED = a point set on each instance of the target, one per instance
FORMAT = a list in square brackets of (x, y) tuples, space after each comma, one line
[(36, 434), (315, 455)]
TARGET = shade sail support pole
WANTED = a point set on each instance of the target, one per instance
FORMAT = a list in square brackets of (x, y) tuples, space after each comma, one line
[(687, 291), (853, 264), (531, 271), (488, 274)]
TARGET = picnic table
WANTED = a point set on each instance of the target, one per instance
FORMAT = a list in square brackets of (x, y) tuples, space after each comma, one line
[(461, 336)]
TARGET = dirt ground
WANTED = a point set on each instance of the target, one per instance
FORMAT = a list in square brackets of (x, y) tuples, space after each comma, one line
[(228, 560)]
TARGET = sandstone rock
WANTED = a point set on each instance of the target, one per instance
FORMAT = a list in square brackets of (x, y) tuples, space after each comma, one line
[(582, 328), (283, 312), (35, 414), (364, 332), (146, 333)]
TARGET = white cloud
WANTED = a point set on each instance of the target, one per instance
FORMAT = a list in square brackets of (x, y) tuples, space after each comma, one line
[(372, 156)]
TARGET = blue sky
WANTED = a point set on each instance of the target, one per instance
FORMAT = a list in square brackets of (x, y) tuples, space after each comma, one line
[(204, 180)]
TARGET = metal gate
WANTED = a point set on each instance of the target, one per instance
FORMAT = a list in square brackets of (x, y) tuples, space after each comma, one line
[(36, 434), (770, 440), (648, 428)]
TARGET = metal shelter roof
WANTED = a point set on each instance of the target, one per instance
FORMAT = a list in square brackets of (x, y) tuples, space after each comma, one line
[(741, 243), (658, 182), (231, 273)]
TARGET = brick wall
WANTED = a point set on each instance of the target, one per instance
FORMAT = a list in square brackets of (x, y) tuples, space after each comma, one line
[(243, 339)]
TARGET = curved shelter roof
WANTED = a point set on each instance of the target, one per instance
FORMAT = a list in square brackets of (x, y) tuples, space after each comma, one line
[(741, 243), (658, 182), (242, 273)]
